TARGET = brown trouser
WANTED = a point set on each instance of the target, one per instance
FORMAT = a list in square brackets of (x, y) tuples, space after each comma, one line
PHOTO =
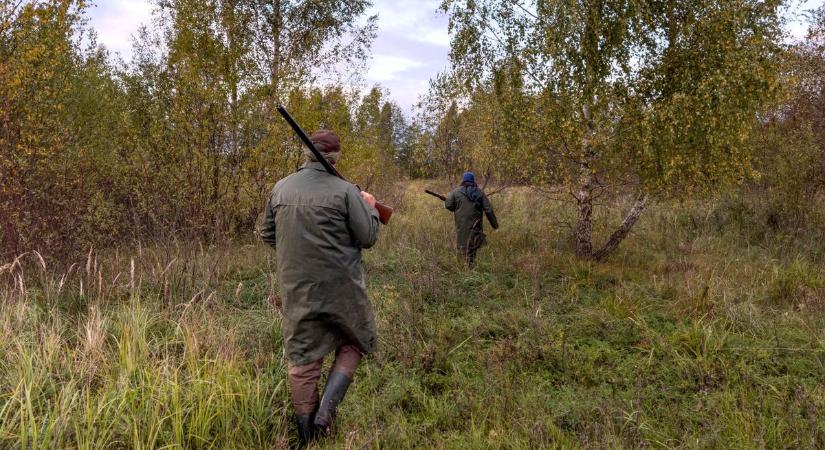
[(303, 380)]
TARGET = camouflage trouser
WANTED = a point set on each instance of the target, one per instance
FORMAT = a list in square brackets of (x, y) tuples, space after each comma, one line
[(303, 379)]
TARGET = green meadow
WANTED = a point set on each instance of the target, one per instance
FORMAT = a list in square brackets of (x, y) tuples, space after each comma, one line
[(704, 330)]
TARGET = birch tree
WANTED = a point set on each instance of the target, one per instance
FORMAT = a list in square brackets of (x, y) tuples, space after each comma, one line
[(657, 95)]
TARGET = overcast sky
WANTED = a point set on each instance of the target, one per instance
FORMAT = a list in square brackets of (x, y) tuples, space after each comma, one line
[(411, 47)]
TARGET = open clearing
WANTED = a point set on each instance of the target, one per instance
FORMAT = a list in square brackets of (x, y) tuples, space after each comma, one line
[(703, 331)]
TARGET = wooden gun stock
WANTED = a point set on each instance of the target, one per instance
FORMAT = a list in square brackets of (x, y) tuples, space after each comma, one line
[(439, 196), (384, 211)]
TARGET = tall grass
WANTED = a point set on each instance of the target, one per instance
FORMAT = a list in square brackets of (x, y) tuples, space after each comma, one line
[(700, 332)]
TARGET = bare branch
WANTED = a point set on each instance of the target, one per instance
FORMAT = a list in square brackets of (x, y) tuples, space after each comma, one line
[(9, 18), (526, 11)]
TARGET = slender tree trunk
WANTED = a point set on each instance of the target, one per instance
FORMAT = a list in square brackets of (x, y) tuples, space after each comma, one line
[(275, 74), (216, 209), (587, 185), (624, 229), (584, 223), (237, 158)]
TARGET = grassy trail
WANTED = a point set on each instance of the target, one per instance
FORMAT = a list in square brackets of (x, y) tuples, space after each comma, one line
[(701, 332)]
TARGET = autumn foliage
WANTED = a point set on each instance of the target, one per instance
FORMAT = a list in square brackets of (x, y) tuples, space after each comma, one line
[(182, 141), (625, 101)]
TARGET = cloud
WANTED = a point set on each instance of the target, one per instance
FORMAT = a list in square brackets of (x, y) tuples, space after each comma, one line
[(797, 21), (117, 20), (399, 15), (438, 36), (412, 46), (416, 20), (387, 67)]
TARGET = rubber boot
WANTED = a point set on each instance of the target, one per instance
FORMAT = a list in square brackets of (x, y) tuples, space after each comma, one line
[(307, 431), (471, 259), (334, 391)]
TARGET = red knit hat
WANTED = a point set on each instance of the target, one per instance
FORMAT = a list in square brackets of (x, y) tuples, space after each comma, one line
[(326, 141)]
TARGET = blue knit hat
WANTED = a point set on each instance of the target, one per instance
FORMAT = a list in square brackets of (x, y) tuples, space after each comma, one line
[(469, 177)]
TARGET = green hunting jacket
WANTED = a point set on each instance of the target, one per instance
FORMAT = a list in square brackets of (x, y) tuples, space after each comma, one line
[(318, 224), (468, 204)]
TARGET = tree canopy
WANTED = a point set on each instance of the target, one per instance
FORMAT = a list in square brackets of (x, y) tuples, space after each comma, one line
[(657, 96), (638, 100)]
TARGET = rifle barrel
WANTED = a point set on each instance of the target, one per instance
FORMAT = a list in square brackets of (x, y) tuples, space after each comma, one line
[(436, 195), (384, 211), (305, 139)]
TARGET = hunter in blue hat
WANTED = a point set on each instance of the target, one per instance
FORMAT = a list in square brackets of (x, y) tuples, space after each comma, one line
[(468, 202)]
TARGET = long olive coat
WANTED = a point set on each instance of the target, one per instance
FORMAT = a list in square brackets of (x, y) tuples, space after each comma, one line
[(318, 224), (468, 217)]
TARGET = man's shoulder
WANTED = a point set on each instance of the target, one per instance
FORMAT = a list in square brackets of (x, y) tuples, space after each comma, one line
[(471, 195), (284, 180), (306, 175), (309, 183), (280, 184)]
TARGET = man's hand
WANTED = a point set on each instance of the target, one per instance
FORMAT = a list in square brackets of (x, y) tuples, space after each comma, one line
[(368, 198)]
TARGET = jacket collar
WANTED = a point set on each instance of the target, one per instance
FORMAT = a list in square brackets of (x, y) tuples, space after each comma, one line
[(313, 165)]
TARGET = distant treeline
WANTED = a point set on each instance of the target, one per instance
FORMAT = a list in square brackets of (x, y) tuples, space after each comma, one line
[(591, 101)]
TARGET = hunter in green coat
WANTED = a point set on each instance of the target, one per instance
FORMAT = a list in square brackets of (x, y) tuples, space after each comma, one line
[(318, 224), (468, 202)]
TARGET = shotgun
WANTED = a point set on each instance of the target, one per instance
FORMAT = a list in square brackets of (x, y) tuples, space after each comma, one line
[(384, 211), (443, 198)]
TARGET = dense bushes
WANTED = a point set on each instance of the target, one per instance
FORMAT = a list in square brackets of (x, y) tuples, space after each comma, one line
[(791, 142), (181, 141)]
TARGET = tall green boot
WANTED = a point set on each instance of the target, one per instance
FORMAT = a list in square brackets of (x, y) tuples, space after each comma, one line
[(307, 430), (334, 391)]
